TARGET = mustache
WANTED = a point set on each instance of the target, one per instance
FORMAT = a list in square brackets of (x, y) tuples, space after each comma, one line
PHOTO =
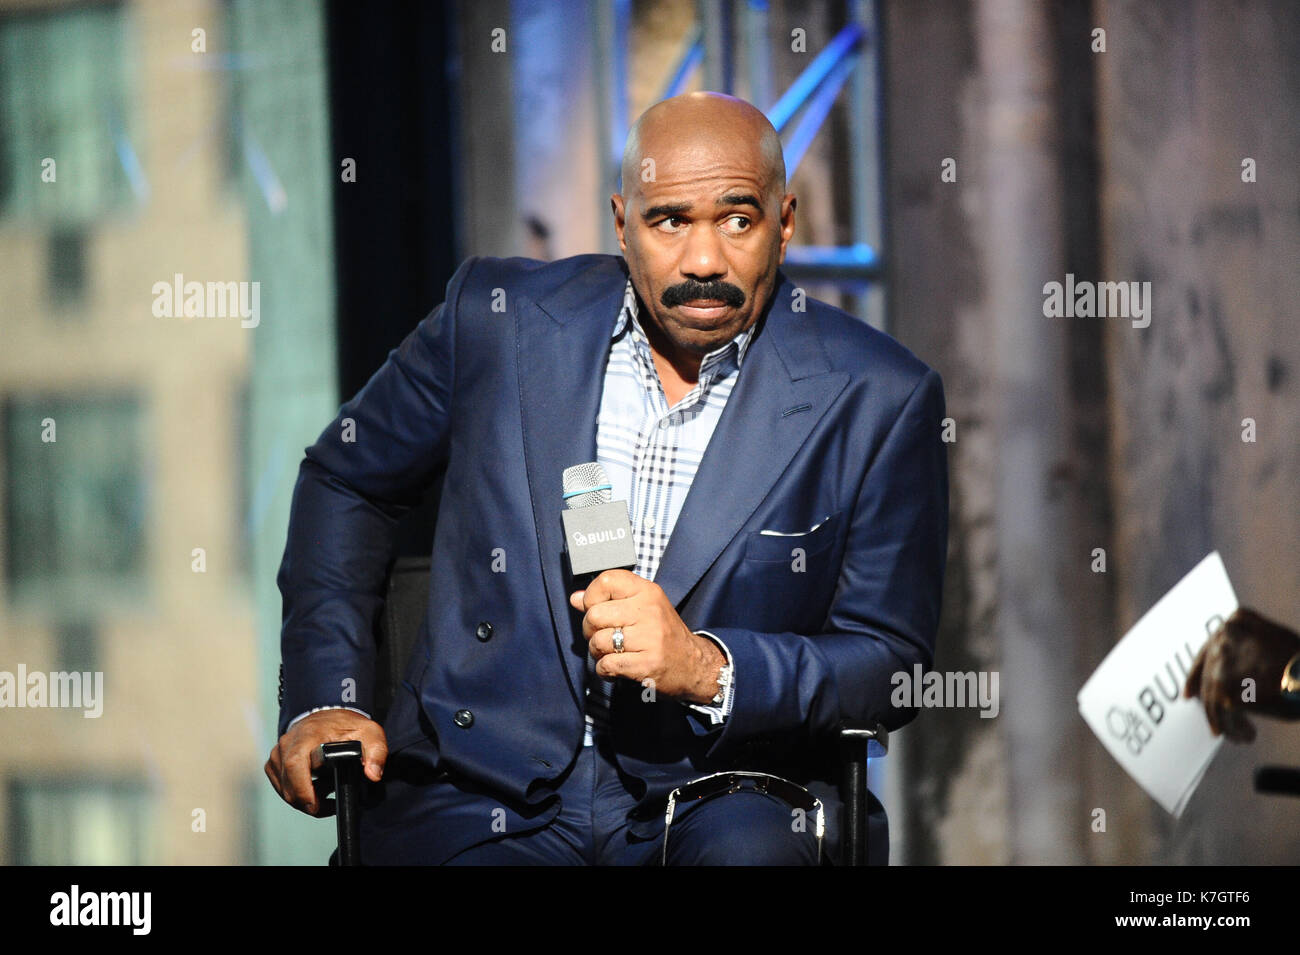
[(690, 291)]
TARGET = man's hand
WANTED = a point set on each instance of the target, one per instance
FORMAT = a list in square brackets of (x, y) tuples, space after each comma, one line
[(289, 765), (657, 644), (1247, 646)]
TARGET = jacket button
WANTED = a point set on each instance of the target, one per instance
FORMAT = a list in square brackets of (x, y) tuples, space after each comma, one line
[(484, 631), (464, 719)]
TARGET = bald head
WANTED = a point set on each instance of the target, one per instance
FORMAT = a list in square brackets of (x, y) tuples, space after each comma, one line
[(703, 222), (680, 123)]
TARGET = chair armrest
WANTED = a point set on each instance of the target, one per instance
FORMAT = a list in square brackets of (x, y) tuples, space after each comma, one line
[(336, 769), (875, 734), (858, 741)]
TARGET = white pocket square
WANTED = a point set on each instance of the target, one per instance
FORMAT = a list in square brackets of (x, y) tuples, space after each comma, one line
[(766, 533)]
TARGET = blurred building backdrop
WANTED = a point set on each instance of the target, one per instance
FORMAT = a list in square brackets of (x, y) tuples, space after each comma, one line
[(950, 157)]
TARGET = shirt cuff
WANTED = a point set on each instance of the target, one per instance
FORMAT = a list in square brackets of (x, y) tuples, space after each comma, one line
[(718, 712), (301, 716)]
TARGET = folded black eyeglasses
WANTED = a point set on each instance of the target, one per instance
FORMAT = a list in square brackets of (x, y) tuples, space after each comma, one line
[(720, 784)]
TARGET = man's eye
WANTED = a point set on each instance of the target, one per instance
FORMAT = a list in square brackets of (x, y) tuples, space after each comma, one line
[(671, 222), (735, 224)]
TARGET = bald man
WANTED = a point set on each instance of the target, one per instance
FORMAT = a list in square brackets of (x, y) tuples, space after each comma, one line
[(786, 487)]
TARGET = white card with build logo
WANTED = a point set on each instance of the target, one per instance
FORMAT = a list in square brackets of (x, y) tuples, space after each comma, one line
[(1134, 701)]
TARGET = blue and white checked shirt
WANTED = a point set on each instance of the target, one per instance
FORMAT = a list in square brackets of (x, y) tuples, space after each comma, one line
[(651, 453)]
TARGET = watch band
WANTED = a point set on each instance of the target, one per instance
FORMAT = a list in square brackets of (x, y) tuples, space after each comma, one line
[(724, 681)]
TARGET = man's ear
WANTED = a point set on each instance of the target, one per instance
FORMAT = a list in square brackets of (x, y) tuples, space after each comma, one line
[(618, 207), (787, 223)]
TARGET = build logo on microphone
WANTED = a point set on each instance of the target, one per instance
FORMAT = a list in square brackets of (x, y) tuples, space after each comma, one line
[(599, 537)]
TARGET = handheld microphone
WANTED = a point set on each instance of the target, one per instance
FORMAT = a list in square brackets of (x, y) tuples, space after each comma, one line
[(597, 532)]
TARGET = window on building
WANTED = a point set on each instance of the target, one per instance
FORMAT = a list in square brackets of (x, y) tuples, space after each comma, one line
[(66, 272), (65, 153), (76, 646), (75, 504), (80, 821)]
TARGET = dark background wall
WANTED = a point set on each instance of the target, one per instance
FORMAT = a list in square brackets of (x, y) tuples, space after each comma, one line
[(1188, 92), (391, 89), (1144, 142), (392, 84)]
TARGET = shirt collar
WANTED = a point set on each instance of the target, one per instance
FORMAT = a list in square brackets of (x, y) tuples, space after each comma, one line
[(630, 311)]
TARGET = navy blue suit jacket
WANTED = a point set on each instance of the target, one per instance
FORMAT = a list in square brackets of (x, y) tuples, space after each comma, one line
[(501, 384)]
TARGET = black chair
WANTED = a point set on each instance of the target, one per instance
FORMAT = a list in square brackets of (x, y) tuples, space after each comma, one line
[(336, 767)]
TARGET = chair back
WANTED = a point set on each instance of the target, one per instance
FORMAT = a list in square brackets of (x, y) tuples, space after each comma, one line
[(405, 601)]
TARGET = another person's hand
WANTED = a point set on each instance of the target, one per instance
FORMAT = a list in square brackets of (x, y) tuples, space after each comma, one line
[(1246, 647), (289, 765)]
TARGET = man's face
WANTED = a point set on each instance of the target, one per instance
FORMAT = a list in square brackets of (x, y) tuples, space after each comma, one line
[(703, 239)]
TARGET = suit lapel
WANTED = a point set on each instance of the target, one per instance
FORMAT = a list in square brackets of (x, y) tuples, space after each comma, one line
[(563, 345)]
